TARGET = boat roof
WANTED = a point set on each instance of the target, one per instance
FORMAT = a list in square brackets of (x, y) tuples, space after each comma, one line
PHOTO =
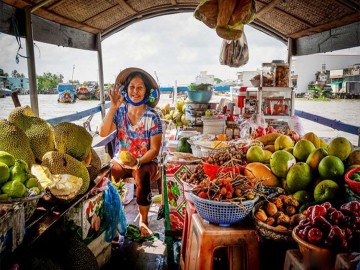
[(313, 26)]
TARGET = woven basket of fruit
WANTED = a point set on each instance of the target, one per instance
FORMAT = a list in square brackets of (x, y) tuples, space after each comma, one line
[(189, 181), (29, 203), (273, 222), (227, 199), (223, 213)]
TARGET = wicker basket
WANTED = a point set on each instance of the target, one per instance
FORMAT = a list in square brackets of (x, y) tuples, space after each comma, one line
[(269, 232), (223, 213), (29, 204)]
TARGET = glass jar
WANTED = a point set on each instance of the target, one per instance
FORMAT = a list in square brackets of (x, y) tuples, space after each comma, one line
[(268, 75), (282, 75)]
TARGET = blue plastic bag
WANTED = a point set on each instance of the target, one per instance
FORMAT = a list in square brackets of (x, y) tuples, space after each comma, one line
[(114, 213)]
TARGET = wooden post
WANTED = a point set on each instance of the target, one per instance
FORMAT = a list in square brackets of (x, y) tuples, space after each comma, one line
[(101, 75), (31, 62)]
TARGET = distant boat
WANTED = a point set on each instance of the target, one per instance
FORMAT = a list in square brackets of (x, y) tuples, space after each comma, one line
[(106, 94), (84, 93), (66, 93), (7, 92)]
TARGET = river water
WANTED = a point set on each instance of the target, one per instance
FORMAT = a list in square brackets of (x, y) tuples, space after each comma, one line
[(347, 111)]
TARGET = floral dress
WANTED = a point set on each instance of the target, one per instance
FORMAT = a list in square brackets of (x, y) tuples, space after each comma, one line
[(136, 138)]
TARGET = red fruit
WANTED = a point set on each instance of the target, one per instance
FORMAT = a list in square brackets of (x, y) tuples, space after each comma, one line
[(223, 191), (316, 211), (327, 205), (202, 195), (314, 235)]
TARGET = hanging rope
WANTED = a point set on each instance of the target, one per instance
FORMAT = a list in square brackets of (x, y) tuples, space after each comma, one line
[(18, 40)]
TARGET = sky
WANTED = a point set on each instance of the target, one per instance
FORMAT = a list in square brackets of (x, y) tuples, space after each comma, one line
[(172, 47)]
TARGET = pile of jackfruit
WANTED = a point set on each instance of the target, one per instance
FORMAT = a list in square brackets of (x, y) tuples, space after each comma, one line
[(57, 158)]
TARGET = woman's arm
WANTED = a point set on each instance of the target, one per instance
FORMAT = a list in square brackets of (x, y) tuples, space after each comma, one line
[(107, 125), (153, 152)]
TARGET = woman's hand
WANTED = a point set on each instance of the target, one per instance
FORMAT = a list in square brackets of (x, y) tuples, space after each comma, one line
[(115, 96), (135, 167)]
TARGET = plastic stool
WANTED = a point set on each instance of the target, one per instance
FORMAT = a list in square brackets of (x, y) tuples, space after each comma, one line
[(190, 210), (205, 239)]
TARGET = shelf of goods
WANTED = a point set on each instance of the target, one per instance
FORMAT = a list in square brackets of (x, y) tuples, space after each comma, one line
[(273, 102)]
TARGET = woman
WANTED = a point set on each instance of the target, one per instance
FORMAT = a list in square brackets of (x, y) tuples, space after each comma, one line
[(139, 131)]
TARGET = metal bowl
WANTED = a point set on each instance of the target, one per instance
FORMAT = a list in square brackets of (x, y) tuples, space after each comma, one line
[(202, 96)]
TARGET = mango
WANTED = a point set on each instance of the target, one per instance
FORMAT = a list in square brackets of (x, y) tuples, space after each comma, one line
[(315, 157)]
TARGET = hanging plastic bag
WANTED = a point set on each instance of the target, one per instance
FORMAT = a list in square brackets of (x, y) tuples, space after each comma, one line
[(114, 213), (234, 53)]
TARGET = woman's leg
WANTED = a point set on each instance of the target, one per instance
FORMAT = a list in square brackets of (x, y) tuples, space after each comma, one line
[(118, 172), (142, 177)]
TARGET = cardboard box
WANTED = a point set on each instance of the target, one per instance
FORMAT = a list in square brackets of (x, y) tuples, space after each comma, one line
[(12, 227), (87, 218)]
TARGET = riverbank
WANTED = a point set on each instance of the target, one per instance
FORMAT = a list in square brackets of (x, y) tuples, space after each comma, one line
[(344, 110)]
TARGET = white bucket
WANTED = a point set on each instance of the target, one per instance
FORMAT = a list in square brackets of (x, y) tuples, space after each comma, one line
[(129, 193)]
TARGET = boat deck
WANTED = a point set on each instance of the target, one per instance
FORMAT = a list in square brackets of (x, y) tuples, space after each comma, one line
[(146, 255)]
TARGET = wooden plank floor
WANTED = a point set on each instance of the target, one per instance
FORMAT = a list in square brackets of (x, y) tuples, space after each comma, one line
[(148, 255)]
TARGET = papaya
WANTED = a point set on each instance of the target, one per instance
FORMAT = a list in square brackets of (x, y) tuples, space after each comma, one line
[(312, 137), (257, 170), (183, 146)]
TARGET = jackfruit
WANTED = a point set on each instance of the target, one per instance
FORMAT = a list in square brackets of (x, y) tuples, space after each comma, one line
[(73, 140), (95, 165), (14, 141), (39, 132), (43, 174), (65, 186), (61, 163)]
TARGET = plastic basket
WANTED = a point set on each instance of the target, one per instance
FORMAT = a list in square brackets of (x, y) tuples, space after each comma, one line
[(187, 189), (353, 185), (212, 170), (223, 213)]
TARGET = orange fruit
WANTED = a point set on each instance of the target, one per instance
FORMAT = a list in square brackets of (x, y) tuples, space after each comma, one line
[(221, 137), (331, 167)]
